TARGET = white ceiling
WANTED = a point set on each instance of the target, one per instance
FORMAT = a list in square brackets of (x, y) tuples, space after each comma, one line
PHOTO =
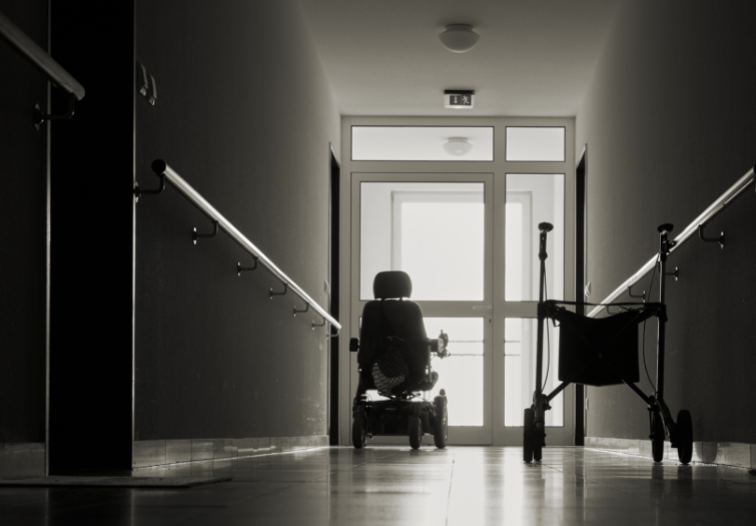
[(534, 57)]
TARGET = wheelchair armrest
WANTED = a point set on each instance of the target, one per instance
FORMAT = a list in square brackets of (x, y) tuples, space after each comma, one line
[(354, 345)]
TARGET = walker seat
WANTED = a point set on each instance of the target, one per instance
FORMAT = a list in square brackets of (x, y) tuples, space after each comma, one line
[(599, 351)]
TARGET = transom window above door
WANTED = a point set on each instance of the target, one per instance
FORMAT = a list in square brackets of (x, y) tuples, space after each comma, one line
[(422, 143)]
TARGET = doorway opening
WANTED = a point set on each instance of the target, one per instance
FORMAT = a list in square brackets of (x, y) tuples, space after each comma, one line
[(464, 232)]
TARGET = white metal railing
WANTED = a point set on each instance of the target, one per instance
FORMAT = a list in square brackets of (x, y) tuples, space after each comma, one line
[(39, 58), (166, 172), (712, 211)]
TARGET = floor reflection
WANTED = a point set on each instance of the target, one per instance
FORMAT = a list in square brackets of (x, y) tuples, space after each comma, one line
[(396, 486)]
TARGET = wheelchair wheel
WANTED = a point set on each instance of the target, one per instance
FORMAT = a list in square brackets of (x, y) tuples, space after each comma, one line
[(684, 433), (528, 435), (657, 437), (359, 437), (441, 427), (415, 432)]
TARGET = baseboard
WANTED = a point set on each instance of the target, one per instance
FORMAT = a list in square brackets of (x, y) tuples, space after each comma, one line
[(151, 453), (735, 454), (22, 460)]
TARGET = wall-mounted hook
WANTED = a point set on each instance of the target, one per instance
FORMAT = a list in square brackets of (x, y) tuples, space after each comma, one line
[(240, 269), (720, 239), (641, 295), (196, 235), (285, 290), (676, 273), (296, 311), (143, 83), (318, 324), (153, 97), (139, 192), (40, 117)]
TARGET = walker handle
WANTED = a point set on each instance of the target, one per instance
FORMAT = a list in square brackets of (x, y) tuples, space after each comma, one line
[(545, 227)]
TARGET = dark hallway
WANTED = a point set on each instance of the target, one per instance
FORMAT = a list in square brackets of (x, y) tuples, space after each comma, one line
[(317, 139)]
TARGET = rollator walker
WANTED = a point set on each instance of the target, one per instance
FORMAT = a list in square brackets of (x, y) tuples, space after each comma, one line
[(604, 351)]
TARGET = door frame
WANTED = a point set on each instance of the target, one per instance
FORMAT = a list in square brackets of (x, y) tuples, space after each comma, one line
[(499, 167)]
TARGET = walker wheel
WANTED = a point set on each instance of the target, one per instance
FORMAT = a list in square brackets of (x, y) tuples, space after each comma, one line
[(359, 437), (528, 435), (684, 437), (441, 426), (415, 432), (657, 437)]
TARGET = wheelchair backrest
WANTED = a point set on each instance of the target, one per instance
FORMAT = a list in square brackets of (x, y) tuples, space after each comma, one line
[(390, 320)]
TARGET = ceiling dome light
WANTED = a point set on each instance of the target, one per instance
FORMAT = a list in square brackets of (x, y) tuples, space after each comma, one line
[(459, 38), (457, 146)]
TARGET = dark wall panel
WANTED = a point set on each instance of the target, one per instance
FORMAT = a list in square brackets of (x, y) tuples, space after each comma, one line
[(245, 115), (22, 236), (670, 120)]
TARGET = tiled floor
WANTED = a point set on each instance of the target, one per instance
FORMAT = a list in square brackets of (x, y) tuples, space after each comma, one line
[(468, 486)]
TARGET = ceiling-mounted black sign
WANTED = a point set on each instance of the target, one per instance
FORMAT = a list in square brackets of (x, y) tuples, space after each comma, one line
[(459, 99)]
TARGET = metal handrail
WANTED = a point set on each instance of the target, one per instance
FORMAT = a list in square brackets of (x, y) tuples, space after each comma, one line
[(162, 169), (39, 58), (712, 211)]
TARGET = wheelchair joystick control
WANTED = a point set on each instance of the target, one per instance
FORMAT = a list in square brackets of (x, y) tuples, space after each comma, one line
[(665, 228), (442, 342)]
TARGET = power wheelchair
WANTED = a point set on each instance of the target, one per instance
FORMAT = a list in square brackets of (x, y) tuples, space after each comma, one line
[(394, 358)]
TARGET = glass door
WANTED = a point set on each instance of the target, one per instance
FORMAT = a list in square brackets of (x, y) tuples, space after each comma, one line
[(464, 225), (438, 229)]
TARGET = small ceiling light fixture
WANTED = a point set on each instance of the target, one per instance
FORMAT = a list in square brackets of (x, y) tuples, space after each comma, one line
[(457, 146), (459, 38)]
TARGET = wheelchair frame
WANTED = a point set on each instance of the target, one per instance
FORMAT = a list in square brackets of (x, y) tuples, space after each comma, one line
[(660, 417), (401, 415)]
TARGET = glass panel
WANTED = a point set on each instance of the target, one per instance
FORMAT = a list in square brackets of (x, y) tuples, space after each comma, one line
[(460, 374), (533, 199), (520, 338), (422, 143), (535, 144), (432, 231)]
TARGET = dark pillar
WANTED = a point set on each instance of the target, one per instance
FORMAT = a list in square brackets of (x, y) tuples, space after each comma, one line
[(93, 240), (580, 239), (333, 298)]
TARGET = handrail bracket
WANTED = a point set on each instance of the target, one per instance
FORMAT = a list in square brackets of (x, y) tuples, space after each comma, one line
[(196, 235), (274, 293), (40, 117), (297, 311), (240, 269), (139, 192), (720, 239)]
